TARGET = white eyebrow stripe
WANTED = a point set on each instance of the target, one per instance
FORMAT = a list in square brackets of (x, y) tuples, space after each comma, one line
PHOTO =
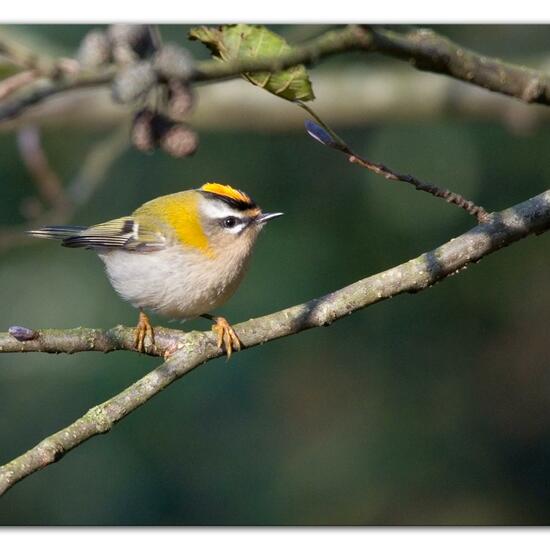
[(218, 209)]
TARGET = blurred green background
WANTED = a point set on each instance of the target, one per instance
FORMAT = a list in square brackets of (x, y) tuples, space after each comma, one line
[(425, 409)]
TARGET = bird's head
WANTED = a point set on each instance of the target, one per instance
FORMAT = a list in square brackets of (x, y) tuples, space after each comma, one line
[(229, 217)]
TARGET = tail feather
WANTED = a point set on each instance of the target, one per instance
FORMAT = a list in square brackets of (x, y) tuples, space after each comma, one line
[(57, 231)]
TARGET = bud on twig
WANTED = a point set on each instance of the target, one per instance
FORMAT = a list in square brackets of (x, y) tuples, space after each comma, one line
[(319, 133), (22, 334), (325, 135)]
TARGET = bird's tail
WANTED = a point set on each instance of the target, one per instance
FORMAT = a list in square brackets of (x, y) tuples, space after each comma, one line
[(57, 231)]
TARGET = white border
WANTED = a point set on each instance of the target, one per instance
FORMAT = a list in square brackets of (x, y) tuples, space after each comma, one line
[(275, 539), (276, 11)]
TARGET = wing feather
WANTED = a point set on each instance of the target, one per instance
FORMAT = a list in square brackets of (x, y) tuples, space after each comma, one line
[(57, 231), (123, 233)]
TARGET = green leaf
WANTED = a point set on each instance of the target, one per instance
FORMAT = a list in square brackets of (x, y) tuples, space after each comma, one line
[(245, 42)]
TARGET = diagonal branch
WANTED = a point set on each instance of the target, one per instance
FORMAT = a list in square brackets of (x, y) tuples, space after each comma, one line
[(325, 135), (196, 348)]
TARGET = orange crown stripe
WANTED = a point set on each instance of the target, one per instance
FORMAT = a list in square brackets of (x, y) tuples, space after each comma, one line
[(227, 191)]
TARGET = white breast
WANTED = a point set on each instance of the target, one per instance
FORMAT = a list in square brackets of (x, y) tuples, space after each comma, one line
[(177, 283)]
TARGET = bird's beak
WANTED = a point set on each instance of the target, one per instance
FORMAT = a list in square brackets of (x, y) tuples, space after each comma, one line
[(262, 218)]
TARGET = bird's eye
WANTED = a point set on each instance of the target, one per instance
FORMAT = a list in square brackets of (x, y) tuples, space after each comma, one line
[(229, 222)]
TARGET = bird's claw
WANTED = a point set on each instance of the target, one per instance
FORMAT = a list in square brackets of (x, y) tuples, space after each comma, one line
[(226, 335), (144, 329)]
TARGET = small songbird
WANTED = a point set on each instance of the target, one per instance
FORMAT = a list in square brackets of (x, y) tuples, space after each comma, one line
[(181, 255)]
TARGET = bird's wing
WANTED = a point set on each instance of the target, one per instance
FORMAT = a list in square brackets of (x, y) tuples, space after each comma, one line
[(124, 233)]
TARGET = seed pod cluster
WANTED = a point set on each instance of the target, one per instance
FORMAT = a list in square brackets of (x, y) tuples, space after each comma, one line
[(131, 42), (134, 82), (180, 99), (151, 79), (95, 50), (151, 130), (121, 44), (173, 62), (179, 141)]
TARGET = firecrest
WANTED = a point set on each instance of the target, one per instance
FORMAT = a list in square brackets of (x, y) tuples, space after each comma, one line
[(181, 255)]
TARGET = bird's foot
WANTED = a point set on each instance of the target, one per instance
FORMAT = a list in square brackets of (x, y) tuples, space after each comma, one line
[(226, 336), (144, 329)]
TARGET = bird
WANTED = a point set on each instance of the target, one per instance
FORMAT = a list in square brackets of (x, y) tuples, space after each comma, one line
[(181, 255)]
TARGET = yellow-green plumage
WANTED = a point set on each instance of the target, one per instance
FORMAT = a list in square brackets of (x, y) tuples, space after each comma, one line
[(177, 214)]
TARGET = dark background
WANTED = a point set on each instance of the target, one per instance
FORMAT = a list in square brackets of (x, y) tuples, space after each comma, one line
[(425, 409)]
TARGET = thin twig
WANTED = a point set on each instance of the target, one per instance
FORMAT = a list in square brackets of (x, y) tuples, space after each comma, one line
[(91, 175), (504, 228), (97, 163), (449, 196), (27, 58), (42, 91), (334, 141), (13, 83), (47, 181)]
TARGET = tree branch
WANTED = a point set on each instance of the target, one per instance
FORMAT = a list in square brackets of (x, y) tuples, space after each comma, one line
[(363, 97), (88, 339), (429, 51), (349, 39), (424, 49), (196, 348)]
